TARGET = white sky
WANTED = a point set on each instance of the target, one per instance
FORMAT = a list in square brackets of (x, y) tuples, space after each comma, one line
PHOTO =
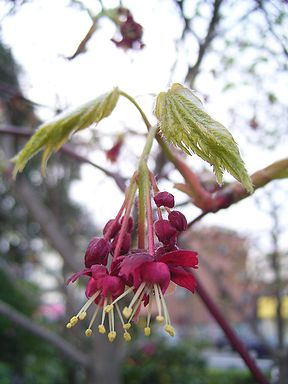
[(42, 32)]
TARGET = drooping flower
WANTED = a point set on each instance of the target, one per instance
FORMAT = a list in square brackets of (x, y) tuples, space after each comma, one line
[(97, 252), (150, 277), (131, 33), (164, 199), (103, 287), (113, 153), (178, 220)]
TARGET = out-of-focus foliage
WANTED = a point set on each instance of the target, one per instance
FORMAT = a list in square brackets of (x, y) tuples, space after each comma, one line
[(158, 363)]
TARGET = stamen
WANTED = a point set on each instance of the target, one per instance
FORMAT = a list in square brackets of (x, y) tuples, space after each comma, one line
[(127, 336), (121, 296), (137, 294), (112, 336), (112, 320), (147, 331), (149, 310), (127, 311), (121, 318), (138, 303), (101, 327), (82, 315), (87, 332), (87, 304), (169, 329), (159, 318), (166, 313)]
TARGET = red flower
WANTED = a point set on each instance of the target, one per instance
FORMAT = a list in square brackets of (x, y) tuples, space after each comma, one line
[(149, 278), (171, 266), (102, 288), (113, 153)]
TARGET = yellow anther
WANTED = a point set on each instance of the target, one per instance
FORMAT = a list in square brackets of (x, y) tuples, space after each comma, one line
[(88, 332), (147, 331), (169, 329), (82, 315), (127, 336), (127, 312), (68, 325), (101, 328), (127, 325), (108, 308), (160, 319), (112, 336), (74, 320)]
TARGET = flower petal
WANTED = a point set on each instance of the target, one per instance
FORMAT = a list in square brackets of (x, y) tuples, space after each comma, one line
[(183, 277), (155, 273), (130, 264), (85, 271), (112, 285), (181, 258), (91, 288)]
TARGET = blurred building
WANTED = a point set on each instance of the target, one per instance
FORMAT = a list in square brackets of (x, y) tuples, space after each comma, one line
[(222, 270)]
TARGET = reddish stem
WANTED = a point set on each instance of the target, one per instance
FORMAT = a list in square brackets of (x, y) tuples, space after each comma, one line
[(153, 182), (111, 228), (149, 214), (141, 232), (230, 334), (129, 204), (159, 212)]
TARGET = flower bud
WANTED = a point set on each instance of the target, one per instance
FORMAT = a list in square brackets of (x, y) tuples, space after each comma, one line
[(126, 244), (178, 220), (130, 225), (112, 227), (165, 232), (97, 252), (164, 199), (165, 249)]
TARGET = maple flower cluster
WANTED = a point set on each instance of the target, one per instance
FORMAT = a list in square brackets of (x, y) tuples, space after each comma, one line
[(115, 269)]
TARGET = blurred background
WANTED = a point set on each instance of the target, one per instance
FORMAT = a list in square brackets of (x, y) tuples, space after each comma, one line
[(59, 54)]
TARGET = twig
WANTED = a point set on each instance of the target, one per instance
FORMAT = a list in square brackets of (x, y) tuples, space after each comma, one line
[(193, 71), (66, 149)]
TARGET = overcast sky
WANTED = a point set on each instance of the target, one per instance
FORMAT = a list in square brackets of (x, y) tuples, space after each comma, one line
[(45, 31)]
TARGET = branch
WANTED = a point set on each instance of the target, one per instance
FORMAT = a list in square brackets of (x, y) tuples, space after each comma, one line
[(67, 150), (235, 192), (47, 221), (65, 348), (193, 71)]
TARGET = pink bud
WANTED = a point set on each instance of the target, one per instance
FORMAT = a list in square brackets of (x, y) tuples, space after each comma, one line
[(112, 227), (165, 249), (97, 252), (130, 225), (178, 220), (164, 199), (165, 232), (126, 244)]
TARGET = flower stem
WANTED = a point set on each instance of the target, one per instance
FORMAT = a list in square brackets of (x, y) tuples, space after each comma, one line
[(133, 101), (144, 194), (129, 200)]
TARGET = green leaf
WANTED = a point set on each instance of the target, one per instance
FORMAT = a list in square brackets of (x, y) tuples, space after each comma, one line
[(52, 135), (184, 123)]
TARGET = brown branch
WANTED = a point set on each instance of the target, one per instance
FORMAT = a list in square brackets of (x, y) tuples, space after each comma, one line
[(235, 192), (47, 221), (67, 150), (203, 47), (66, 349), (271, 27)]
